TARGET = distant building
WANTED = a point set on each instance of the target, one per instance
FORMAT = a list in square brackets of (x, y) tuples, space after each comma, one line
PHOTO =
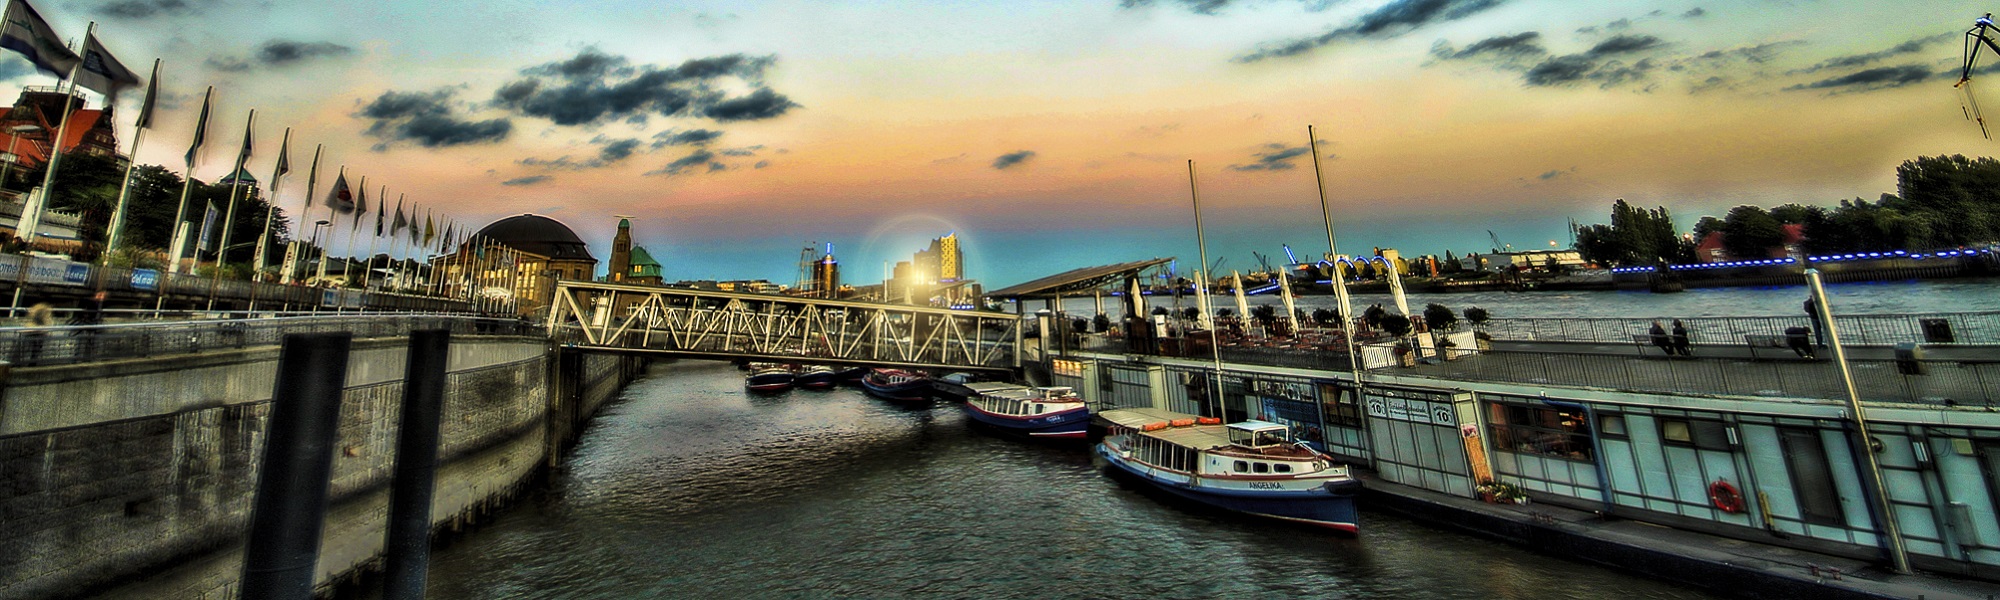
[(1527, 260), (517, 260), (641, 268), (941, 261), (826, 277)]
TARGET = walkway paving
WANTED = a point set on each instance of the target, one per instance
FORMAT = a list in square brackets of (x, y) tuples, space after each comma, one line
[(1726, 565)]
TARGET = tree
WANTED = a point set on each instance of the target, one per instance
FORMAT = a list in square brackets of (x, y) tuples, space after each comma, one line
[(1634, 237), (1956, 199), (1396, 325), (1750, 232), (1439, 317), (1476, 315)]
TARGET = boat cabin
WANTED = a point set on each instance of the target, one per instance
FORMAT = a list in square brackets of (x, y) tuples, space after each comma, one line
[(1259, 434), (1030, 401)]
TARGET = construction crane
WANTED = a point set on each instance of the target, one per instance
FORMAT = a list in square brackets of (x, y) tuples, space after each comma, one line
[(1497, 246), (1975, 38), (1263, 262)]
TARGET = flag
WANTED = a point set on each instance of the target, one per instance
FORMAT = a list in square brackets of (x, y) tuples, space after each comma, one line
[(312, 177), (249, 128), (152, 95), (207, 228), (340, 198), (397, 226), (360, 205), (284, 160), (448, 235), (102, 72), (25, 32), (381, 212), (200, 128), (430, 229)]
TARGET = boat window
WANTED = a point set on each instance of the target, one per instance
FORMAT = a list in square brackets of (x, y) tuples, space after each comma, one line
[(1261, 467), (1040, 407), (1281, 468), (1242, 467)]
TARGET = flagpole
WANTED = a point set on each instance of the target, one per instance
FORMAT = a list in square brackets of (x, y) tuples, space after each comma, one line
[(31, 217), (400, 249), (187, 183), (125, 189), (229, 216), (1345, 304), (369, 265), (347, 266), (1202, 279), (287, 275), (270, 210)]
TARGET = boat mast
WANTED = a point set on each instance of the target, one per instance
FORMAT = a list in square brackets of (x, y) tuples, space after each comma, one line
[(1201, 294)]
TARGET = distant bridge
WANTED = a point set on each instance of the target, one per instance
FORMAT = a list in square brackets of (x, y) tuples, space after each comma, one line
[(614, 317)]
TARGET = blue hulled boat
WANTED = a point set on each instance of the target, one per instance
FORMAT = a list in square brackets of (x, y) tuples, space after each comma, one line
[(769, 377), (815, 377), (1048, 412), (898, 385), (1252, 467)]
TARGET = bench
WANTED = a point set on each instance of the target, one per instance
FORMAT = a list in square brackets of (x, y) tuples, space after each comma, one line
[(1765, 341), (1644, 341)]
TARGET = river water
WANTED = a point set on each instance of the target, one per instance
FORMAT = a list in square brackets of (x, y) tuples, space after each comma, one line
[(1884, 297), (687, 487)]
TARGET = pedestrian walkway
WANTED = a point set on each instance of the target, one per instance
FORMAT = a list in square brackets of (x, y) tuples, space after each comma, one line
[(1952, 376), (1731, 566)]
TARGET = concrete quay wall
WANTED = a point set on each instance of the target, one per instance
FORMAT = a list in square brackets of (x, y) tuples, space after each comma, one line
[(136, 478)]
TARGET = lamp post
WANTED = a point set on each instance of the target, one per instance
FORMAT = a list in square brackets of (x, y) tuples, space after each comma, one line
[(14, 137)]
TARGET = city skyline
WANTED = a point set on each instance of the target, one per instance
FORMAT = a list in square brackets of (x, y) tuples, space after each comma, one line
[(1054, 135)]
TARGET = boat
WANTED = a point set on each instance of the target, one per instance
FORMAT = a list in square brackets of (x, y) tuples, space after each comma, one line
[(1039, 412), (1251, 467), (897, 384), (769, 377), (850, 374), (815, 377), (953, 386)]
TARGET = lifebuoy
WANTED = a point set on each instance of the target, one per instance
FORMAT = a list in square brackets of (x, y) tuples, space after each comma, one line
[(1725, 497)]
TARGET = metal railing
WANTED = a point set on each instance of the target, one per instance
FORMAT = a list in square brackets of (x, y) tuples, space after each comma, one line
[(60, 345), (1970, 379), (1857, 330), (1948, 383), (57, 273)]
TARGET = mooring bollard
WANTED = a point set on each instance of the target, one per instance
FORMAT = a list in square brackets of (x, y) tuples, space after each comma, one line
[(409, 536), (290, 508)]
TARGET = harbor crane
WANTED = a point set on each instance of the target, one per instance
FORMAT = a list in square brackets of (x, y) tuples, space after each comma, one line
[(1979, 36)]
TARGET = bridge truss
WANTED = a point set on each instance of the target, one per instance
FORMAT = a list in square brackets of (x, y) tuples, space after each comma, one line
[(715, 324)]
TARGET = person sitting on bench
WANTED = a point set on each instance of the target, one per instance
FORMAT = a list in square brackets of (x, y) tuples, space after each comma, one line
[(1800, 341)]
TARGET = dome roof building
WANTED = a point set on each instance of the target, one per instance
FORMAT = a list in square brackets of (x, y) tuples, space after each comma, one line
[(512, 264)]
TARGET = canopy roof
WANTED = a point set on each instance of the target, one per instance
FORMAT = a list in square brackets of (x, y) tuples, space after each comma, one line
[(1076, 282)]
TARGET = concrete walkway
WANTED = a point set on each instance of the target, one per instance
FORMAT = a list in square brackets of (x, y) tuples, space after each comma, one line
[(1723, 565)]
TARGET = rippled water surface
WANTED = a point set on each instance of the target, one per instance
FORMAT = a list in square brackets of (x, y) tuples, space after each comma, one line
[(686, 487)]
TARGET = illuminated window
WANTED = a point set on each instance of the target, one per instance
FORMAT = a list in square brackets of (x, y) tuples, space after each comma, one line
[(1540, 430)]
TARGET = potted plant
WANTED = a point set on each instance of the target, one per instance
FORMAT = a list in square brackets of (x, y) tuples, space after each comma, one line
[(1498, 492)]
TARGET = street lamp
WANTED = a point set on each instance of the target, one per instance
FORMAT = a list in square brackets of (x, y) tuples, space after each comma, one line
[(14, 138)]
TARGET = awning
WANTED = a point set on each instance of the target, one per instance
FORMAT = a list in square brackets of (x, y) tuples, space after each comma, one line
[(1076, 282)]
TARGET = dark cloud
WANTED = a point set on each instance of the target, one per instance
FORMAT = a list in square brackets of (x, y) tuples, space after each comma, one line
[(1871, 79), (1274, 157), (1011, 159), (1624, 44), (1561, 70), (227, 64), (744, 151), (427, 119), (1859, 60), (1552, 174), (529, 180), (1211, 7), (759, 105), (617, 150), (148, 9), (1390, 20), (279, 52), (593, 87), (1526, 44), (1693, 13), (696, 159), (610, 152), (691, 137), (761, 164)]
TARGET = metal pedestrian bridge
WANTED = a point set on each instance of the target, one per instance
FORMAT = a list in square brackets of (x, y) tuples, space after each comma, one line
[(627, 318)]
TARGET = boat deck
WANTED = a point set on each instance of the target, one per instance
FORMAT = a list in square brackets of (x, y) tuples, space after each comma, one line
[(1135, 418)]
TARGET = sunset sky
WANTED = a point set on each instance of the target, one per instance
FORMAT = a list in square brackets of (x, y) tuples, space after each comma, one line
[(1053, 135)]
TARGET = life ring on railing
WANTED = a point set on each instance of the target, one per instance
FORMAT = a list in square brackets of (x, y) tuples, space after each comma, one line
[(1725, 497)]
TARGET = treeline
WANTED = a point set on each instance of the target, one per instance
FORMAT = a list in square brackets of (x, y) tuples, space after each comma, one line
[(87, 185), (1940, 202)]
